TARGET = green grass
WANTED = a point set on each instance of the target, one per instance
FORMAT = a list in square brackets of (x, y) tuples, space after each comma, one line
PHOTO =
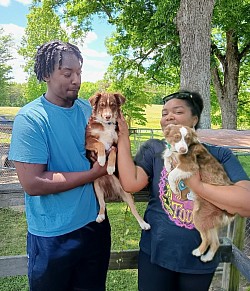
[(245, 162), (12, 241), (9, 111), (153, 115), (125, 235)]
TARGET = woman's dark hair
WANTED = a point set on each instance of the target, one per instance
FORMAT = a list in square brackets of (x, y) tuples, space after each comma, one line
[(49, 54), (193, 100)]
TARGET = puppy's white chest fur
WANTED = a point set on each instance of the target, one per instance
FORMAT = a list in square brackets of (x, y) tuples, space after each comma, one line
[(108, 136)]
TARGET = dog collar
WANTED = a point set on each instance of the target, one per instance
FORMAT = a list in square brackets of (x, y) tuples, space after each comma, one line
[(168, 145)]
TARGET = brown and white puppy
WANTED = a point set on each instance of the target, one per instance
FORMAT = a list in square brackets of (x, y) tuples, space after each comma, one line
[(188, 155), (101, 137)]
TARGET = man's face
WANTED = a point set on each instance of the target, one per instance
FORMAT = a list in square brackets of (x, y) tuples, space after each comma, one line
[(64, 83)]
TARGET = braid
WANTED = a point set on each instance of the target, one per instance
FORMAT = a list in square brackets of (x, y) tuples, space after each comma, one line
[(51, 52)]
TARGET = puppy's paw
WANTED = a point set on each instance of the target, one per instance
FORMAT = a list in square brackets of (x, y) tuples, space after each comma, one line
[(101, 160), (174, 187), (167, 166), (196, 252), (144, 225), (100, 218), (110, 170), (208, 256)]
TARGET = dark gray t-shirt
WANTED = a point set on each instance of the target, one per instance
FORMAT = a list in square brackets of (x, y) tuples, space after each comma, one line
[(173, 236)]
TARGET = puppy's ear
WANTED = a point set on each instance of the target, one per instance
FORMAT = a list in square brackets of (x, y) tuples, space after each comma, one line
[(167, 130), (194, 135), (94, 101), (119, 98)]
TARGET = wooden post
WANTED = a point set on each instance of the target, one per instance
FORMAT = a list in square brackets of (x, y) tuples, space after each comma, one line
[(238, 241)]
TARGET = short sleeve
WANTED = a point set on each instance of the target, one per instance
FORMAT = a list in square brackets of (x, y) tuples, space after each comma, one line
[(28, 142), (149, 153), (230, 162)]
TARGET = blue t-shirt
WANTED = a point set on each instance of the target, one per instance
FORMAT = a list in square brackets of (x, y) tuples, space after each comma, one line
[(44, 133), (173, 237)]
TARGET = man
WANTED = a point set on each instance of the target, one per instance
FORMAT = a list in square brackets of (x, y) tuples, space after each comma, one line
[(67, 249)]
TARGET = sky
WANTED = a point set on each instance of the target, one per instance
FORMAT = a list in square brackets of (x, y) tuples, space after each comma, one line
[(96, 60)]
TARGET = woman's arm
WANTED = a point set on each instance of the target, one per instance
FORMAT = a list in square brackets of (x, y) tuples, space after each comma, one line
[(36, 181), (132, 178), (233, 198)]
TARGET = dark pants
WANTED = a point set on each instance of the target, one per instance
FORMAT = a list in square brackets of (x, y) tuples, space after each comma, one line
[(153, 277), (74, 261)]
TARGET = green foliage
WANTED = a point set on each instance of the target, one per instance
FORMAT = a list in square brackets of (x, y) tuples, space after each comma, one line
[(88, 89), (136, 98), (6, 42), (145, 41), (34, 88), (43, 25), (230, 49), (16, 95)]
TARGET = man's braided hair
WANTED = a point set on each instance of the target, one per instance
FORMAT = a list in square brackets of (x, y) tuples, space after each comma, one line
[(51, 52)]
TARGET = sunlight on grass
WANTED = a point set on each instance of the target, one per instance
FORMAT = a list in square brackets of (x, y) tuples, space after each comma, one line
[(153, 115), (9, 111)]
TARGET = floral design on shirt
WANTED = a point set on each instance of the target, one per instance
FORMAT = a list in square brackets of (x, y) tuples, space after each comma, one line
[(178, 207)]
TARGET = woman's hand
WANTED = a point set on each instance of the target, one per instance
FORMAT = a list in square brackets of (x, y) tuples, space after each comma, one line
[(195, 184), (123, 127)]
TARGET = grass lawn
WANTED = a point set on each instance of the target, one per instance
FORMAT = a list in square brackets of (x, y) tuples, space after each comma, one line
[(125, 235)]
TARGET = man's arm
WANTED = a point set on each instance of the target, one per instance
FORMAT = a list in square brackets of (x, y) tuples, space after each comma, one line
[(36, 180)]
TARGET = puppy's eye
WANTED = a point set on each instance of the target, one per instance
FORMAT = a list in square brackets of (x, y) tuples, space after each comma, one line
[(102, 104), (177, 137)]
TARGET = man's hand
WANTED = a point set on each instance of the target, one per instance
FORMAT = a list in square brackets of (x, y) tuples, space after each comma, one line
[(91, 155), (99, 171)]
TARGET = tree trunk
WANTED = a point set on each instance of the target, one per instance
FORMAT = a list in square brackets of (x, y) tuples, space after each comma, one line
[(227, 91), (194, 26)]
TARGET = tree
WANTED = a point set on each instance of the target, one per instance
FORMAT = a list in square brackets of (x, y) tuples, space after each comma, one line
[(230, 51), (147, 43), (88, 89), (15, 95), (43, 25), (136, 98), (6, 42), (194, 26)]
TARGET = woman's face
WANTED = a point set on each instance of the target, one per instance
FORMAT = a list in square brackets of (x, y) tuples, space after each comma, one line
[(176, 111)]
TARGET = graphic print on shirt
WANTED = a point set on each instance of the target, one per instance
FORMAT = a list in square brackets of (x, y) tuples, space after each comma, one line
[(178, 209)]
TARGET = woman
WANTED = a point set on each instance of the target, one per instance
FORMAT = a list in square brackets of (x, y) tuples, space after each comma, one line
[(165, 259)]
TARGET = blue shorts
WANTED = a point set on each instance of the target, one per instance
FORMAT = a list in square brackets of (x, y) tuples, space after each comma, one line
[(74, 261)]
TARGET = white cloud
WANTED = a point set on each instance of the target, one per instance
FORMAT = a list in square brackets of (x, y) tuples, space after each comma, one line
[(4, 3), (93, 70), (17, 63), (24, 2)]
